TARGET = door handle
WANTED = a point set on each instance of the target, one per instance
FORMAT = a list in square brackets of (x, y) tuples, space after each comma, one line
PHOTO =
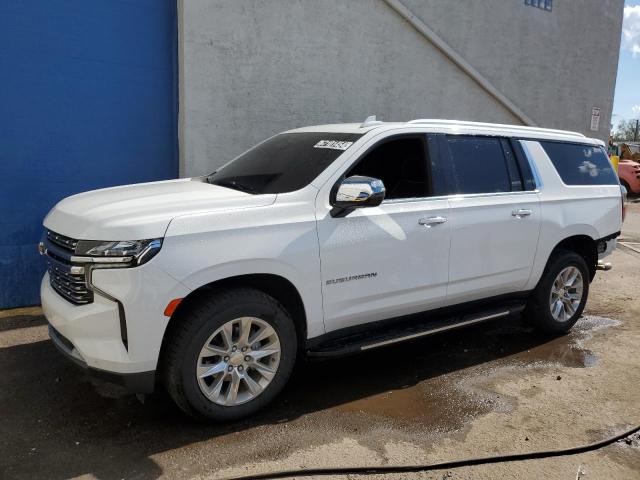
[(430, 221), (521, 212)]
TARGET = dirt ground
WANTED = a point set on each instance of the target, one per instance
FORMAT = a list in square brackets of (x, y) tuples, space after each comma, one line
[(490, 389)]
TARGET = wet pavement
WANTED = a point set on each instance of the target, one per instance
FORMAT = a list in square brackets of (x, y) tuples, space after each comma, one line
[(56, 421), (471, 392)]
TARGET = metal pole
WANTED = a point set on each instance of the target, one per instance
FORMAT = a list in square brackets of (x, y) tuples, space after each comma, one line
[(635, 134)]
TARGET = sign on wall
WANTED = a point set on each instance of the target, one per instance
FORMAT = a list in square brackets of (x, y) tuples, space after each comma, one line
[(595, 119)]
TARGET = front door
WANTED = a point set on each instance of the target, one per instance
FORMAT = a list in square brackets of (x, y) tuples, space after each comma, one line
[(391, 260)]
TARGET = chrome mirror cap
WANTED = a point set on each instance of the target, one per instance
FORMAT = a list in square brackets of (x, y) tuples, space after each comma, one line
[(358, 191)]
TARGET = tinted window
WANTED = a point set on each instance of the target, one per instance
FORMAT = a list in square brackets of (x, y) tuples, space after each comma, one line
[(581, 164), (400, 164), (284, 163), (479, 165)]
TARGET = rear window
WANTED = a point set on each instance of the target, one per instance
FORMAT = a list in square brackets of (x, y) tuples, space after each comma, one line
[(581, 164), (481, 165), (284, 163)]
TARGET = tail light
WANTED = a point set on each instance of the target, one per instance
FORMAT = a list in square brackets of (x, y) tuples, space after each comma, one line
[(623, 199)]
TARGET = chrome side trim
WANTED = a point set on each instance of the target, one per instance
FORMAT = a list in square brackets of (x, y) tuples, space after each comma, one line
[(460, 196), (435, 330), (463, 196)]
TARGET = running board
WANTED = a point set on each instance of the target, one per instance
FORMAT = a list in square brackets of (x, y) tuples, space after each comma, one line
[(356, 343)]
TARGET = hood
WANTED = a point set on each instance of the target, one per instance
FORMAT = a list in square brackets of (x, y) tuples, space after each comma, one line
[(137, 212)]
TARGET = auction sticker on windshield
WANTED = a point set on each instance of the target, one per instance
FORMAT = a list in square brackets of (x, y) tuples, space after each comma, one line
[(334, 144)]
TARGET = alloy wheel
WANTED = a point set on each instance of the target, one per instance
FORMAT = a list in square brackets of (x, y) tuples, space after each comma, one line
[(238, 361), (566, 294)]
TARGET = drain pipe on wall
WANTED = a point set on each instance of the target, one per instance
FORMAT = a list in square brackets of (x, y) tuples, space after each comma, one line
[(458, 60)]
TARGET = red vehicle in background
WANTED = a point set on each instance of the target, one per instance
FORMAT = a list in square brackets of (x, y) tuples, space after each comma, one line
[(629, 173), (628, 165)]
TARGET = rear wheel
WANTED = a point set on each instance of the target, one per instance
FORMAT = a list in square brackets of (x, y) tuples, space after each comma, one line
[(561, 295), (229, 355)]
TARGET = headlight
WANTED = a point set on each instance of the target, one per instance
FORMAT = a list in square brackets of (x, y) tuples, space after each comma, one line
[(135, 252)]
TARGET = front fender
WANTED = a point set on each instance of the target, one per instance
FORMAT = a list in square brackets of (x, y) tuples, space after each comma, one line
[(253, 241)]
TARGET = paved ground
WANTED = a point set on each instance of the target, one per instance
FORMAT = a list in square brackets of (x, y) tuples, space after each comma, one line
[(489, 389)]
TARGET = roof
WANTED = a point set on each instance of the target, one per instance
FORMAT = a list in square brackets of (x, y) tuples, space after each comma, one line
[(342, 128), (452, 126)]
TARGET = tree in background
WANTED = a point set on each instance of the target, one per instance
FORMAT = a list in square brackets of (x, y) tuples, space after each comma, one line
[(626, 131)]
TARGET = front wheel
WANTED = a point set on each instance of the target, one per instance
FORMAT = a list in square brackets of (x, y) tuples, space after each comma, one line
[(561, 295), (229, 355)]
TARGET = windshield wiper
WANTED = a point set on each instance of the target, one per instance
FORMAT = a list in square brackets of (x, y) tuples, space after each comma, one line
[(234, 185)]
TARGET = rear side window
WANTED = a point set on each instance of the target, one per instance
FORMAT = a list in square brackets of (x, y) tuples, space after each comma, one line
[(482, 165), (581, 164)]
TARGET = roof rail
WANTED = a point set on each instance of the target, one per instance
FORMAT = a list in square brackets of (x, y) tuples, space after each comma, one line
[(517, 128)]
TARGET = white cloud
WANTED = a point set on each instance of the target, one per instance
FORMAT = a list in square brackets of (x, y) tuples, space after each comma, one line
[(635, 110), (631, 30)]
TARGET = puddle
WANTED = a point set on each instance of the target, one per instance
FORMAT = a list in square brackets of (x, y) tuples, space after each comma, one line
[(560, 352), (432, 405), (440, 383), (568, 350)]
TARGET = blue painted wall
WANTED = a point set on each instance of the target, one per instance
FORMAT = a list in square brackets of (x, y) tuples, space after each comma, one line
[(88, 99)]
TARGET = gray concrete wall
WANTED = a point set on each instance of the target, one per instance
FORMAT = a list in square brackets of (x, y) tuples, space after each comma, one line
[(252, 68), (555, 65)]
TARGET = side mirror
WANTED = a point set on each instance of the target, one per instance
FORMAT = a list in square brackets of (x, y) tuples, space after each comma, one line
[(357, 192)]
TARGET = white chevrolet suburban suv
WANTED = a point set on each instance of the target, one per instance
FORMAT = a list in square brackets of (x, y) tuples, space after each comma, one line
[(325, 241)]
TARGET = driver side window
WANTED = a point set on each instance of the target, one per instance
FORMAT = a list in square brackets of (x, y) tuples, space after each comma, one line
[(401, 165)]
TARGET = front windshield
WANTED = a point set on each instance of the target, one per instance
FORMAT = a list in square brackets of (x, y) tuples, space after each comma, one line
[(284, 163)]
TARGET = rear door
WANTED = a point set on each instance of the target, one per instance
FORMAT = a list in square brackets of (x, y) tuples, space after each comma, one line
[(494, 217)]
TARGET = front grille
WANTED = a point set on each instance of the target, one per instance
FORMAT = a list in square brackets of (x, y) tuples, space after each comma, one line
[(62, 241), (71, 286)]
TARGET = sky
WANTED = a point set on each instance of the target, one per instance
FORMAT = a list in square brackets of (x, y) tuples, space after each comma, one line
[(626, 104)]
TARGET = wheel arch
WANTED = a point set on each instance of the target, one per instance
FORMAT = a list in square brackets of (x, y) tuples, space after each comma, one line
[(583, 245), (276, 286)]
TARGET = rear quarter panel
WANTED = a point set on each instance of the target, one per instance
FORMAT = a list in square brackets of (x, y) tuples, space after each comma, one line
[(568, 210)]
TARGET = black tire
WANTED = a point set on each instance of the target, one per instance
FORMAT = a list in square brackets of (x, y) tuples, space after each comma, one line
[(538, 311), (192, 329)]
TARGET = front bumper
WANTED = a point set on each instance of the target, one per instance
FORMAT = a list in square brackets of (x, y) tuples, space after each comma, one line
[(94, 332), (141, 382), (93, 329)]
